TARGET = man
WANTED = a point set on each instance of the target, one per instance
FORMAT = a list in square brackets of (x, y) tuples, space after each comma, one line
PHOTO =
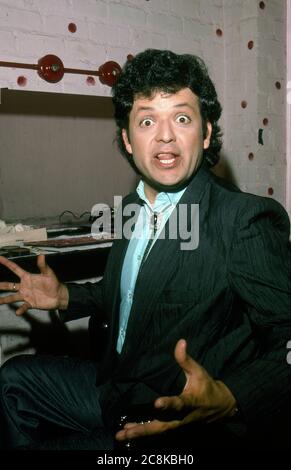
[(198, 331)]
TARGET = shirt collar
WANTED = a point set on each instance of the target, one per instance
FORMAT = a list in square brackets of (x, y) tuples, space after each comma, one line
[(162, 199)]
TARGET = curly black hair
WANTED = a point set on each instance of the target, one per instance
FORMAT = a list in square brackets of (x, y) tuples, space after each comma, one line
[(162, 70)]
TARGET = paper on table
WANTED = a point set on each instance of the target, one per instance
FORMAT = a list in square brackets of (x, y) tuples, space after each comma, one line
[(31, 235)]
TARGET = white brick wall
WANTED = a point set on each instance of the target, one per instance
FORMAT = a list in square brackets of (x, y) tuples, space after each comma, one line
[(106, 30), (111, 29), (251, 75)]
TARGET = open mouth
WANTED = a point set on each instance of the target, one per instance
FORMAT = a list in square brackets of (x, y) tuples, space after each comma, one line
[(166, 160)]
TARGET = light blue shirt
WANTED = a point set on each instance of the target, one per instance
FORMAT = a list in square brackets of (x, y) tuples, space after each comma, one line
[(164, 205)]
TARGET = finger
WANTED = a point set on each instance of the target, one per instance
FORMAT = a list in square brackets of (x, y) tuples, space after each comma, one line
[(23, 308), (10, 299), (42, 266), (145, 429), (189, 413), (184, 360), (181, 351), (173, 402), (129, 425), (9, 286), (12, 266)]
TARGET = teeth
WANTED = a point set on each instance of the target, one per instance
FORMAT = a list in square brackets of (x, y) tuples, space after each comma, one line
[(168, 161)]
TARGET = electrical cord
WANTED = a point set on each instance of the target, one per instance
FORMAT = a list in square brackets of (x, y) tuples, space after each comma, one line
[(75, 216)]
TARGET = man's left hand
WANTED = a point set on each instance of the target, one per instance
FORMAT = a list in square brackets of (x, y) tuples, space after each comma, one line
[(203, 399)]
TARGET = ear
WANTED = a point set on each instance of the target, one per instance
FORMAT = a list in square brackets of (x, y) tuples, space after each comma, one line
[(126, 141), (206, 141)]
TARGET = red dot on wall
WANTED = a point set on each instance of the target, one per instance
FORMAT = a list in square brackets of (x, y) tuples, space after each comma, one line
[(265, 121), (262, 5), (72, 27), (21, 80), (250, 44), (244, 104), (270, 191), (219, 32), (278, 85), (90, 80), (251, 156)]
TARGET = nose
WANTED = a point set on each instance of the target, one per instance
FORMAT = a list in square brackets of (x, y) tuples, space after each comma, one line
[(165, 132)]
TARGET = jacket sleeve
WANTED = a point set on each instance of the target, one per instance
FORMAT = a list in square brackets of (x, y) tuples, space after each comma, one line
[(84, 300), (259, 270)]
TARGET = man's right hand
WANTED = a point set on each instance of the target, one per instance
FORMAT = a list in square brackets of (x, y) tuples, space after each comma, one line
[(42, 291)]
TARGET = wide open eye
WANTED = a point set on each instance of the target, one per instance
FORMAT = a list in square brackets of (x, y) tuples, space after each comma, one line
[(183, 119), (146, 122)]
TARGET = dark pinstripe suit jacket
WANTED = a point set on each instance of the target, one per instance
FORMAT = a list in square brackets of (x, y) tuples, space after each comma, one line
[(230, 299)]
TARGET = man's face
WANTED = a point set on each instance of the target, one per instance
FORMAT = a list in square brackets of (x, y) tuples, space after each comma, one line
[(166, 139)]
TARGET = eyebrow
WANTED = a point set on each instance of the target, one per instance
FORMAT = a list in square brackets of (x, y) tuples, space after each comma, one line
[(184, 105), (151, 108)]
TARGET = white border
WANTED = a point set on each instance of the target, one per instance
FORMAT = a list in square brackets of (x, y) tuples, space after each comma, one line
[(288, 112)]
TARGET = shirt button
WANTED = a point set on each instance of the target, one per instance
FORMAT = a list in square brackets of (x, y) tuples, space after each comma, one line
[(130, 295), (139, 257), (105, 325)]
